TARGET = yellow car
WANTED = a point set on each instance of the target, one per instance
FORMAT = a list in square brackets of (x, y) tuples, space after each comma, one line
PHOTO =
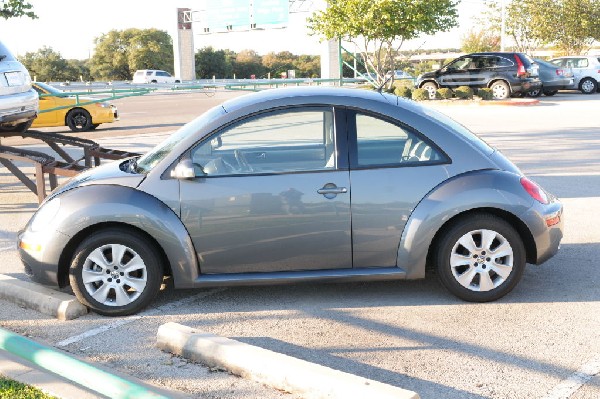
[(79, 118)]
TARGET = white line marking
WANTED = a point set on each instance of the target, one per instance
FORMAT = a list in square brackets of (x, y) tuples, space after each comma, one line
[(568, 387), (7, 248), (131, 319)]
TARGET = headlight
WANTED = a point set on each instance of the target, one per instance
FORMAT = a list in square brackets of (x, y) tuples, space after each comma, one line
[(103, 105), (45, 214)]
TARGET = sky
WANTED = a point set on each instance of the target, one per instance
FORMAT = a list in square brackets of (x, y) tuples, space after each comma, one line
[(70, 27)]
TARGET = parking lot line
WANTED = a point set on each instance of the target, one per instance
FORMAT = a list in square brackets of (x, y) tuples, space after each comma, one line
[(568, 387), (130, 319)]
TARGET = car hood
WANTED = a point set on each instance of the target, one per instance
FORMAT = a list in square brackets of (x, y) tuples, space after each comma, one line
[(113, 173)]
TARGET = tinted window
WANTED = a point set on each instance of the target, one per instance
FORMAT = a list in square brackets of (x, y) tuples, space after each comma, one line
[(277, 142), (162, 73), (5, 54), (463, 63), (148, 73), (380, 142), (503, 62)]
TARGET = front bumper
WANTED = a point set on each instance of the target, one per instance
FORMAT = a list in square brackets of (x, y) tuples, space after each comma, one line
[(40, 253)]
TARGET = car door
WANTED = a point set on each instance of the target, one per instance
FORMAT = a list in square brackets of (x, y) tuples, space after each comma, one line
[(392, 167), (272, 194), (457, 73)]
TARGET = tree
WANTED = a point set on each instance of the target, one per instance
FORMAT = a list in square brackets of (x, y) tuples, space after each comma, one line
[(571, 25), (523, 20), (118, 54), (379, 27), (45, 65), (15, 9), (278, 63), (308, 66), (248, 63), (475, 41), (211, 62)]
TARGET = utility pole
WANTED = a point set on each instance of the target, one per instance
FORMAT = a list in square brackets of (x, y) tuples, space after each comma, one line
[(503, 26)]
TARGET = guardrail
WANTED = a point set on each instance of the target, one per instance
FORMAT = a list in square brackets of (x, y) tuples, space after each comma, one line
[(107, 95)]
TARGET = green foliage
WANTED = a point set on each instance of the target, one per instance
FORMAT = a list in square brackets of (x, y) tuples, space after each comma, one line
[(15, 9), (211, 62), (464, 93), (485, 94), (248, 63), (475, 41), (48, 65), (420, 95), (444, 93), (118, 54), (382, 25), (10, 389), (403, 91)]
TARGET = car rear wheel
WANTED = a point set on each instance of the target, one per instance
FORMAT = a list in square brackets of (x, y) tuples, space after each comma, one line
[(431, 88), (79, 120), (480, 258), (500, 90), (116, 272), (550, 93), (534, 93), (588, 85)]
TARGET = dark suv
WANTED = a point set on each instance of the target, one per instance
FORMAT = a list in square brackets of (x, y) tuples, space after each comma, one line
[(505, 73)]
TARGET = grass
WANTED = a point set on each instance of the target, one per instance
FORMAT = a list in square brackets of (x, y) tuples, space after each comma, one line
[(10, 389)]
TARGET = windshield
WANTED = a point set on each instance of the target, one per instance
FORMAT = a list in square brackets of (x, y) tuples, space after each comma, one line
[(149, 160)]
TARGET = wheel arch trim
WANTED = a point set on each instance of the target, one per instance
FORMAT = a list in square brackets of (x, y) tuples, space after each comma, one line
[(96, 206), (491, 191)]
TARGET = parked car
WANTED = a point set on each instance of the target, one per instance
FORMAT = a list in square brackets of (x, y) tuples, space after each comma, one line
[(79, 118), (18, 101), (553, 77), (153, 76), (586, 71), (398, 74), (505, 73), (296, 185)]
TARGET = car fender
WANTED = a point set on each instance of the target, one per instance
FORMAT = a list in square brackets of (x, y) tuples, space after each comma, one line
[(473, 190), (94, 205)]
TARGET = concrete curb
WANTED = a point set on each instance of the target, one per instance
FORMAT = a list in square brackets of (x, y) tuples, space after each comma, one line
[(37, 297), (510, 102), (271, 368)]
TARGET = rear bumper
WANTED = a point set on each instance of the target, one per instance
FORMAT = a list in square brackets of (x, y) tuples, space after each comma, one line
[(18, 108), (546, 225)]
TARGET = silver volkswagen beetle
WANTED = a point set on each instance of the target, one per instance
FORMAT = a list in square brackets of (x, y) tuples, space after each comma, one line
[(296, 185)]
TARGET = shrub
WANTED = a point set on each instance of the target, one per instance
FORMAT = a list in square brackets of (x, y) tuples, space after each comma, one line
[(403, 91), (464, 93), (444, 93), (485, 94), (420, 95)]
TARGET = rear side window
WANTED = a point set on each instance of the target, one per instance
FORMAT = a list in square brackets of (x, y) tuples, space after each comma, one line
[(503, 62), (380, 142), (148, 73), (5, 55), (581, 63)]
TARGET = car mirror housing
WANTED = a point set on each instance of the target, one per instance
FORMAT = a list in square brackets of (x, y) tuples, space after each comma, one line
[(184, 170)]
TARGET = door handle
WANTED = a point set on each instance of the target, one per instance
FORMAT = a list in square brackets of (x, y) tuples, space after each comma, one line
[(330, 190)]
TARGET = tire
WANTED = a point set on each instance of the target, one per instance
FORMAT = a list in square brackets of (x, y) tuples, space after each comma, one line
[(550, 93), (500, 90), (130, 285), (463, 260), (79, 120), (178, 81), (588, 86), (431, 88), (534, 93)]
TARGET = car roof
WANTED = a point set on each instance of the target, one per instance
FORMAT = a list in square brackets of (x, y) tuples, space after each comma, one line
[(307, 95)]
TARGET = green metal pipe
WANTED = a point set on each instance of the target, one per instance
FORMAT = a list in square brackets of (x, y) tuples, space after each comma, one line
[(73, 369)]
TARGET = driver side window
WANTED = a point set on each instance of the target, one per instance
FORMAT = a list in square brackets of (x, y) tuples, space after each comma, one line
[(276, 142)]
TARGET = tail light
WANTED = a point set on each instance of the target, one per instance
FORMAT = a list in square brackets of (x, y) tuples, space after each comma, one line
[(521, 72), (560, 72), (534, 190)]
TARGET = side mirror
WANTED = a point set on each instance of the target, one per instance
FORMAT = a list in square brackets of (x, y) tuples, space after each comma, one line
[(184, 170)]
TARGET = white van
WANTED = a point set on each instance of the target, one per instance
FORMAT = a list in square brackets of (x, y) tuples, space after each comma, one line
[(18, 101), (153, 76)]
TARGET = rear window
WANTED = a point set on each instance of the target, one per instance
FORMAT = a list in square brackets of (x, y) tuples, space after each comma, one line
[(5, 55)]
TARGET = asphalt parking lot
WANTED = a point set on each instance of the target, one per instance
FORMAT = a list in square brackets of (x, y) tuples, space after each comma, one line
[(540, 341)]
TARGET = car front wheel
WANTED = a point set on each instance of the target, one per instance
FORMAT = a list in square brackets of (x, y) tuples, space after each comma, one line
[(480, 258), (431, 88), (500, 90), (588, 86), (79, 120), (116, 272)]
